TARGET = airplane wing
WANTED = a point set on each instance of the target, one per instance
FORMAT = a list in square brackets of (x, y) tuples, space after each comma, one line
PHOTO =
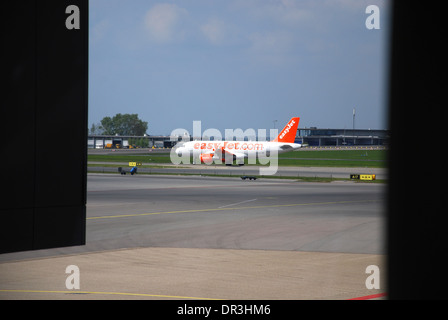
[(226, 156), (229, 155)]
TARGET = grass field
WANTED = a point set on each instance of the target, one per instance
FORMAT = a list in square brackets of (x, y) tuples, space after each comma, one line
[(312, 158), (145, 158), (335, 158)]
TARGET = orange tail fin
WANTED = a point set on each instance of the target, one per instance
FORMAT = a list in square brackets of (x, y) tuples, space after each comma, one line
[(288, 134)]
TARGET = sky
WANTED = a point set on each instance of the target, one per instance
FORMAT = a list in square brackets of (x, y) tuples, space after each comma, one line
[(238, 63)]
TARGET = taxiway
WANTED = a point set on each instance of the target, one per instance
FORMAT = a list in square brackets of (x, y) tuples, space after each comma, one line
[(158, 237)]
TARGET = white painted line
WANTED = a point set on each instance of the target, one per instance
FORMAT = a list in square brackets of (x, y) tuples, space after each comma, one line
[(234, 204)]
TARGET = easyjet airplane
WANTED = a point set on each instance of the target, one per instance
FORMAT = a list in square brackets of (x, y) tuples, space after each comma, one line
[(229, 151)]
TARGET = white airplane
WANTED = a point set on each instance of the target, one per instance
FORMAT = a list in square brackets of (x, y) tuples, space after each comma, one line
[(230, 151)]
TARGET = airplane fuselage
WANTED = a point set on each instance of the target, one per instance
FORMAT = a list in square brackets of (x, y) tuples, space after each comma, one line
[(229, 151), (241, 147)]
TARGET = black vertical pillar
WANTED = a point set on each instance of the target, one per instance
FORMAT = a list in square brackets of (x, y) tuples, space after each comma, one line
[(44, 120), (417, 234)]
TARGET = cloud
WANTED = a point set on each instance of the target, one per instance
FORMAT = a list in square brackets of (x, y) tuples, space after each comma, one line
[(164, 22), (219, 32), (215, 31), (282, 12), (273, 48)]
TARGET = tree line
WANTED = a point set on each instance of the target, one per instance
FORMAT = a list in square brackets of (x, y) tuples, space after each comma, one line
[(120, 124)]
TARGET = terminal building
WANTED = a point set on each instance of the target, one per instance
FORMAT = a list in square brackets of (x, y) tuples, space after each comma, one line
[(313, 137), (342, 137)]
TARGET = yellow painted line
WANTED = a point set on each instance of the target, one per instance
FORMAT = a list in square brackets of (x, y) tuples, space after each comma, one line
[(108, 293), (229, 208)]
